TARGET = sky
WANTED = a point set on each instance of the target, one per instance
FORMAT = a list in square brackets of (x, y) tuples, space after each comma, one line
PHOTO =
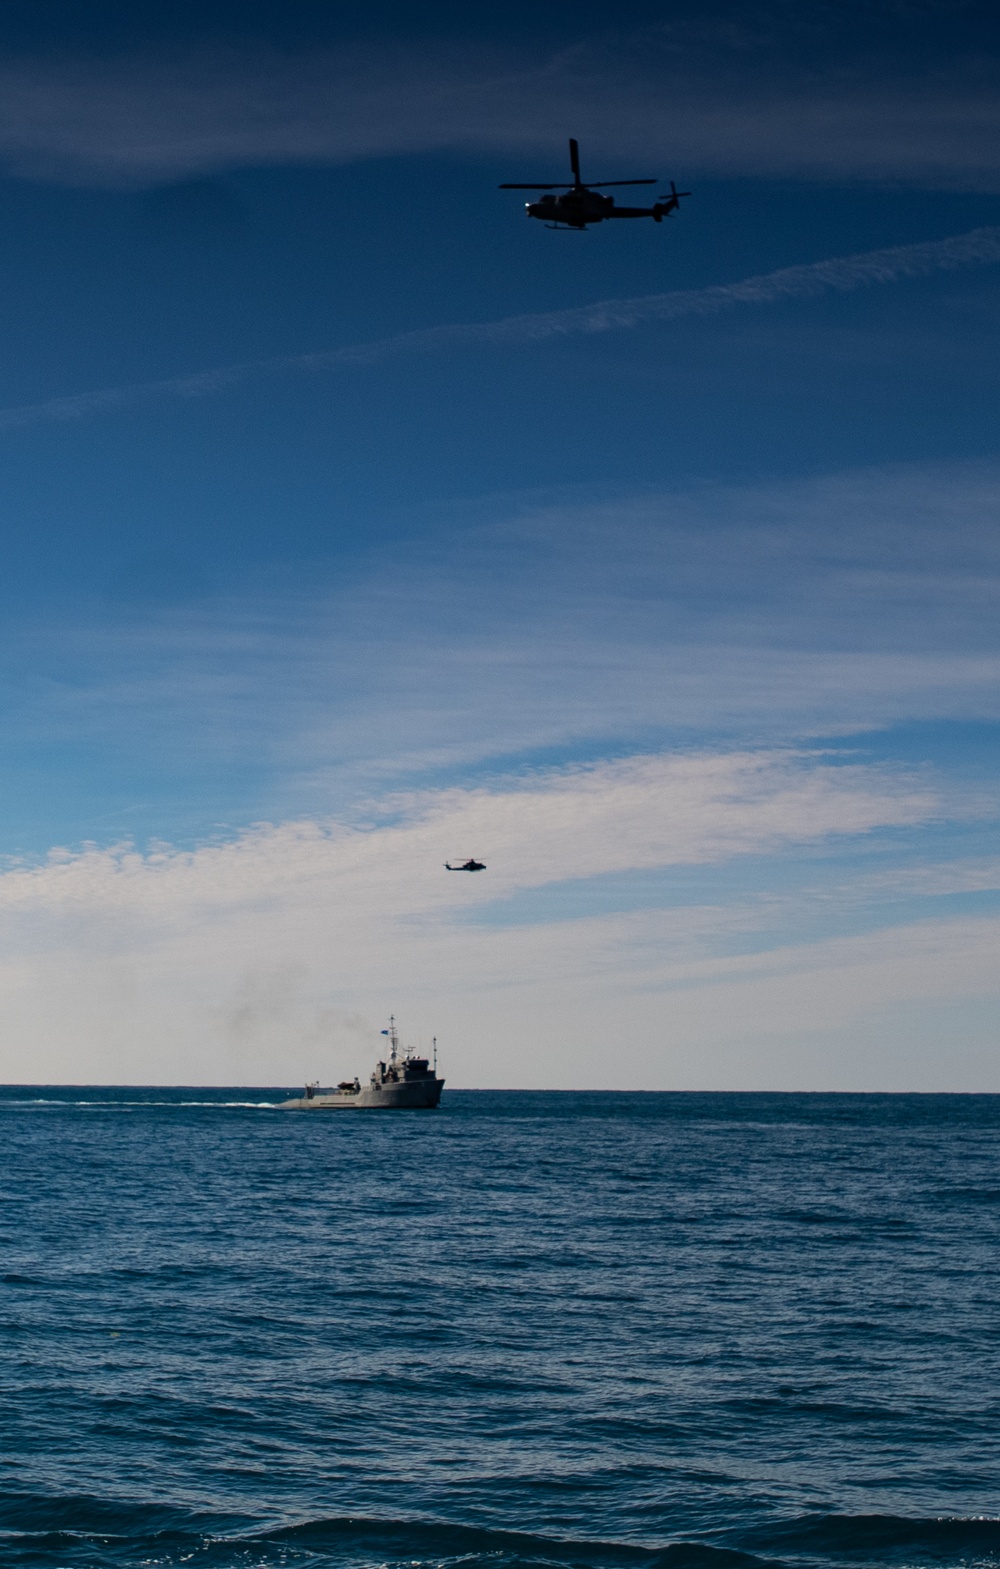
[(352, 522)]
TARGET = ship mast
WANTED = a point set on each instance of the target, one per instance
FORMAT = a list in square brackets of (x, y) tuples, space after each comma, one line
[(393, 1038)]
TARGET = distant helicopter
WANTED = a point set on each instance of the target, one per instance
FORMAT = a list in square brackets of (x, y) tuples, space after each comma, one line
[(582, 205), (470, 865)]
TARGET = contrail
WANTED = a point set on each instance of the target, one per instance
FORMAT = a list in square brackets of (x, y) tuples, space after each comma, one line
[(840, 274)]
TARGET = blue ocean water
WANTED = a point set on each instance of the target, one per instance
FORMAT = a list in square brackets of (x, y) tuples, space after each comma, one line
[(622, 1331)]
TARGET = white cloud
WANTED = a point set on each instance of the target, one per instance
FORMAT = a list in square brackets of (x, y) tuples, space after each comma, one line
[(241, 961)]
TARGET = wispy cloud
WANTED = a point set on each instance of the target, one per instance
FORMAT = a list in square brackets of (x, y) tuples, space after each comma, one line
[(733, 100), (838, 274), (583, 821), (758, 613)]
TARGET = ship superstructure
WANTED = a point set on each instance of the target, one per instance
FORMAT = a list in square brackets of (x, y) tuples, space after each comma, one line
[(403, 1082)]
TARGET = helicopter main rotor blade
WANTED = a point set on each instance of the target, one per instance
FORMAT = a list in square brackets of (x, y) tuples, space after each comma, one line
[(574, 160), (603, 183)]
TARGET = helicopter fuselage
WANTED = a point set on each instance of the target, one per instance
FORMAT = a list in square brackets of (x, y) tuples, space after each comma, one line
[(580, 207)]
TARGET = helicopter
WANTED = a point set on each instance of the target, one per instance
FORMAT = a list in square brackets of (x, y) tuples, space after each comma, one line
[(582, 204), (471, 865)]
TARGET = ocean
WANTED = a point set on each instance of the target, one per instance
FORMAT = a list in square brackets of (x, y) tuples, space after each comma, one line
[(626, 1331)]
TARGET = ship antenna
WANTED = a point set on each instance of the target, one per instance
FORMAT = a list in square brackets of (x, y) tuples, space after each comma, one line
[(435, 1045)]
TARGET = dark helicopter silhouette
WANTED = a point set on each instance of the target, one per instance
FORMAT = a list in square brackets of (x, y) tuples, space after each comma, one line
[(582, 204), (471, 865)]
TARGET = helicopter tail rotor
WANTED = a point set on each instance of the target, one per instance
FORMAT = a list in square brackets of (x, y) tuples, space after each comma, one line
[(668, 204), (574, 160)]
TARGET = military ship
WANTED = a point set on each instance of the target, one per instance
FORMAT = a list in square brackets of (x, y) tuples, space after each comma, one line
[(403, 1083)]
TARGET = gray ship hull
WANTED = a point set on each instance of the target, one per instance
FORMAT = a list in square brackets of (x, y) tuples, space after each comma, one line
[(420, 1096), (404, 1081)]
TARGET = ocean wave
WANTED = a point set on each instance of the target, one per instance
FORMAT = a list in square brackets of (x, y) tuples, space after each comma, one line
[(42, 1530), (936, 1539), (39, 1100), (101, 1534), (437, 1541)]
